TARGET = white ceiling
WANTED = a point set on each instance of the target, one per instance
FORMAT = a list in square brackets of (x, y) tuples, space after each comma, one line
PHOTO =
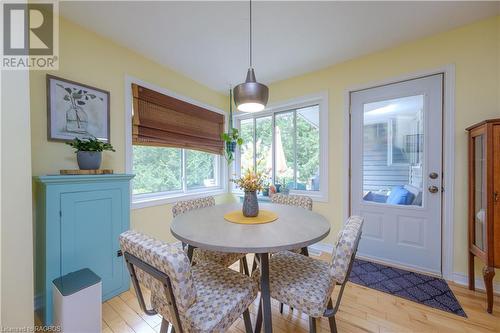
[(208, 41)]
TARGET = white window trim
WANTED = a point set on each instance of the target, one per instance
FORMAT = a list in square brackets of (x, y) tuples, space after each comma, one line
[(320, 99), (162, 198)]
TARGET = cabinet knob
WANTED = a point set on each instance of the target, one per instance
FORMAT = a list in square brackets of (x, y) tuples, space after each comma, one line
[(119, 253), (495, 196)]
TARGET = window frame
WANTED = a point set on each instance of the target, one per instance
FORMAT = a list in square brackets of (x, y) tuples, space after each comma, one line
[(161, 198), (320, 99)]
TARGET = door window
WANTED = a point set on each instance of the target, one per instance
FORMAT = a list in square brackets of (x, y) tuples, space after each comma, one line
[(393, 153)]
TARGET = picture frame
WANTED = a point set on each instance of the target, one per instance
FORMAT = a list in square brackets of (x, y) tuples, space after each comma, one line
[(76, 110)]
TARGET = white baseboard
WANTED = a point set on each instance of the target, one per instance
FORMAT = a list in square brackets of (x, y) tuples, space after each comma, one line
[(462, 279), (458, 278)]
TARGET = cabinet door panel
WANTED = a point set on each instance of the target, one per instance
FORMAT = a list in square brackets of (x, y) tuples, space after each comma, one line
[(496, 195), (90, 226)]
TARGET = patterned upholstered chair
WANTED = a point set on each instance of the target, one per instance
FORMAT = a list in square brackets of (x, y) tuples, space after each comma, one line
[(293, 200), (200, 298), (306, 283), (201, 255)]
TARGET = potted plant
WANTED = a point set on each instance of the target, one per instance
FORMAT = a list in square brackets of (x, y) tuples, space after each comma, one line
[(89, 152), (232, 138), (251, 182)]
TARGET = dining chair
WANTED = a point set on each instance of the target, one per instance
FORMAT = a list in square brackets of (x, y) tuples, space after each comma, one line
[(200, 255), (291, 200), (297, 201), (307, 284), (201, 298)]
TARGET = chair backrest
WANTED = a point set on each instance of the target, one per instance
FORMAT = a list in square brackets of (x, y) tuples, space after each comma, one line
[(182, 207), (292, 200), (157, 257), (345, 247)]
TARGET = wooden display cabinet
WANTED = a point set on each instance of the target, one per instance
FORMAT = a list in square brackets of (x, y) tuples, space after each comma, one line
[(484, 201)]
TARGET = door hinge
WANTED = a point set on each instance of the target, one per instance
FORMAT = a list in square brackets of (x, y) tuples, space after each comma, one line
[(119, 253), (60, 213)]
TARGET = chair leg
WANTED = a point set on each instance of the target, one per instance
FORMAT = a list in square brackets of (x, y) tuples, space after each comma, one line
[(248, 322), (312, 325), (244, 263), (164, 326), (258, 321), (281, 308), (331, 319), (333, 324), (254, 265)]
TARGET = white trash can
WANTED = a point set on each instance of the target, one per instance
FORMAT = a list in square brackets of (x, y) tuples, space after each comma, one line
[(77, 302)]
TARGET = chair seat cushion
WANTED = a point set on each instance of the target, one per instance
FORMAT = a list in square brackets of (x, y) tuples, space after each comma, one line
[(222, 295), (221, 258), (301, 282)]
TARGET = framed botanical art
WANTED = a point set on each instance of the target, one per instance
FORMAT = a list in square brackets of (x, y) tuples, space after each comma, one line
[(76, 110)]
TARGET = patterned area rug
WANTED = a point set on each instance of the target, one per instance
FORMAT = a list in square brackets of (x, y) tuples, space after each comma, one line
[(420, 288)]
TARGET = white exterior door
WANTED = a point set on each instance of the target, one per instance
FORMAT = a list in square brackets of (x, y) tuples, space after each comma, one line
[(396, 172)]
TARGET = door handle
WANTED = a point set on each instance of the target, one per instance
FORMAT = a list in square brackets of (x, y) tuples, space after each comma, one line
[(433, 189)]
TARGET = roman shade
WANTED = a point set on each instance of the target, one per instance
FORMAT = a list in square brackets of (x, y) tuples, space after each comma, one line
[(161, 120)]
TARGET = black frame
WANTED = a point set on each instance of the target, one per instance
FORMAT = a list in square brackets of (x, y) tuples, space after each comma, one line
[(133, 261)]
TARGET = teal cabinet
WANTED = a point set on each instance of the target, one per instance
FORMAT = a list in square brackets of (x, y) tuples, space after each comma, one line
[(78, 221)]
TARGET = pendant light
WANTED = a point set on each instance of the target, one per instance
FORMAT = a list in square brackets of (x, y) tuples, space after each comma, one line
[(251, 96)]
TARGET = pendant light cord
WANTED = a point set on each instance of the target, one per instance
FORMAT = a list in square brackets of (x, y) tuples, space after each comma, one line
[(250, 33)]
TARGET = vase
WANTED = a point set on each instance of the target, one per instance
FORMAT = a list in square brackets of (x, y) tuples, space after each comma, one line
[(250, 204), (89, 160), (76, 120)]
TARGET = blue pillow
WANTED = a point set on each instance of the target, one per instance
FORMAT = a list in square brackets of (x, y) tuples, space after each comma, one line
[(400, 196)]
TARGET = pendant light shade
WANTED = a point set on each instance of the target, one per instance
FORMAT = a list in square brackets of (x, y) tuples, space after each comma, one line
[(251, 96)]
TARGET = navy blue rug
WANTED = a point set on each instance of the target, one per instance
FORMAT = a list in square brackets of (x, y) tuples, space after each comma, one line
[(420, 288)]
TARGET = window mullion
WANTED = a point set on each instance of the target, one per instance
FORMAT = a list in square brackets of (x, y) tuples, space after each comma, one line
[(294, 149), (254, 144), (183, 167), (273, 148)]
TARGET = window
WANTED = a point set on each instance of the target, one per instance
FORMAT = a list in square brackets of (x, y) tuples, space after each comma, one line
[(160, 170), (175, 149), (288, 145)]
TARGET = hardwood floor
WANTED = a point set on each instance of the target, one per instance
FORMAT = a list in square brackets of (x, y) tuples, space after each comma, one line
[(362, 310)]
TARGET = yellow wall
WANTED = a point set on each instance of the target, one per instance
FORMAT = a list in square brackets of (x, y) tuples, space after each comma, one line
[(91, 59), (474, 49), (94, 60)]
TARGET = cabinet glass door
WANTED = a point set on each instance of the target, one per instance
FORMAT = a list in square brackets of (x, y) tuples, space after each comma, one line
[(480, 191)]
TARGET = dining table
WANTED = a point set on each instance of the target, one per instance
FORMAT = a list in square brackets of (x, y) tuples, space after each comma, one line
[(294, 228)]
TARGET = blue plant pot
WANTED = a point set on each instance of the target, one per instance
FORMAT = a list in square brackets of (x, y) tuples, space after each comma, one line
[(250, 204), (278, 188), (89, 160), (231, 146)]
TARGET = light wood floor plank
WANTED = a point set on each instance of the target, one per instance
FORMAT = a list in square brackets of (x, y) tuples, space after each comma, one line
[(362, 310)]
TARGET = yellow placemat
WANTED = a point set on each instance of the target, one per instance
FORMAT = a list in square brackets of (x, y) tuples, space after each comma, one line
[(265, 216)]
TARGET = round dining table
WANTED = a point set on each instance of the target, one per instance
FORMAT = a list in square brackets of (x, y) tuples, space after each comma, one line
[(294, 228)]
